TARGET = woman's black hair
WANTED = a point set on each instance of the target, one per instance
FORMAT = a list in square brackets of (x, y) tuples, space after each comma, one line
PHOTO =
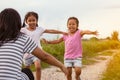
[(10, 25), (30, 14)]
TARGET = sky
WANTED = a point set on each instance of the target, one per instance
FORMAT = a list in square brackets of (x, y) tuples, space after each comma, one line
[(100, 15)]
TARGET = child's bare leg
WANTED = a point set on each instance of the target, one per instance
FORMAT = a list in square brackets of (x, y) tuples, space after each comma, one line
[(77, 73), (69, 77), (38, 70)]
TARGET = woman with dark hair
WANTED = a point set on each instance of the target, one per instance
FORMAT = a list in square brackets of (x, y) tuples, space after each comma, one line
[(13, 45)]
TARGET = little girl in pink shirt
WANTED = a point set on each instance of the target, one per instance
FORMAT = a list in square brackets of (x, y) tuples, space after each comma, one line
[(73, 47)]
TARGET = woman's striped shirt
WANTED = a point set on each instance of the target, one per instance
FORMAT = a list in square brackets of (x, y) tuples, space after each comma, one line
[(11, 56)]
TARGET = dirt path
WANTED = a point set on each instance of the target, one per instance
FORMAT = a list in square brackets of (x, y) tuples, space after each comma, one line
[(93, 72), (89, 72)]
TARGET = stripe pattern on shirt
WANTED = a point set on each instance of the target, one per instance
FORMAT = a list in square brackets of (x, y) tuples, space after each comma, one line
[(11, 56)]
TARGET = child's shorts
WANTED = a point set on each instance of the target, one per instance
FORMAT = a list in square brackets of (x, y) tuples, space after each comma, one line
[(30, 60), (73, 62)]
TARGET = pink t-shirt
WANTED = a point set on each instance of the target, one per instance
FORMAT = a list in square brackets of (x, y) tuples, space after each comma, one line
[(73, 46)]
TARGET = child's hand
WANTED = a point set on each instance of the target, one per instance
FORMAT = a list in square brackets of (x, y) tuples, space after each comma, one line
[(95, 33), (44, 41)]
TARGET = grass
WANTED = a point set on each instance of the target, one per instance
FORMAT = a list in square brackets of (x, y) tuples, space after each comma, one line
[(107, 53), (113, 69), (91, 48)]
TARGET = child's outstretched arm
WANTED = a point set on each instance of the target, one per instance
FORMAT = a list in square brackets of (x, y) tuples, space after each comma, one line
[(89, 32), (52, 42), (52, 31)]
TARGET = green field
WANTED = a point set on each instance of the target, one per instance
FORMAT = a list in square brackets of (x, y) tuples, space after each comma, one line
[(91, 48)]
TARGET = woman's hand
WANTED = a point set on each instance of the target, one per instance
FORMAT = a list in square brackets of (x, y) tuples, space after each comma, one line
[(64, 69)]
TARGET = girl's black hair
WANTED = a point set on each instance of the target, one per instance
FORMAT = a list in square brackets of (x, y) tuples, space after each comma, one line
[(30, 14), (10, 25), (77, 21)]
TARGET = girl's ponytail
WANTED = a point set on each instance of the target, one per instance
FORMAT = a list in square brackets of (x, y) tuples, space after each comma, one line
[(23, 23)]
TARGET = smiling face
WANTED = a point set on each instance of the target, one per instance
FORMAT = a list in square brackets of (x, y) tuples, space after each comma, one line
[(32, 22), (72, 25)]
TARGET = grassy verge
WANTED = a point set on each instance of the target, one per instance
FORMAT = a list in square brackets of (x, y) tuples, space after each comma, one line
[(92, 49), (113, 69)]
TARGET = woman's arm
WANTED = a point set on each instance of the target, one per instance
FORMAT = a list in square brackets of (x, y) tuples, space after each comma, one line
[(46, 57)]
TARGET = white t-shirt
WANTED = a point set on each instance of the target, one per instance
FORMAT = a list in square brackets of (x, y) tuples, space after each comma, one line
[(11, 56), (35, 35)]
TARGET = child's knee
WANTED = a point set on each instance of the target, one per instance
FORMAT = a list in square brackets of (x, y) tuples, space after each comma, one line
[(78, 71)]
